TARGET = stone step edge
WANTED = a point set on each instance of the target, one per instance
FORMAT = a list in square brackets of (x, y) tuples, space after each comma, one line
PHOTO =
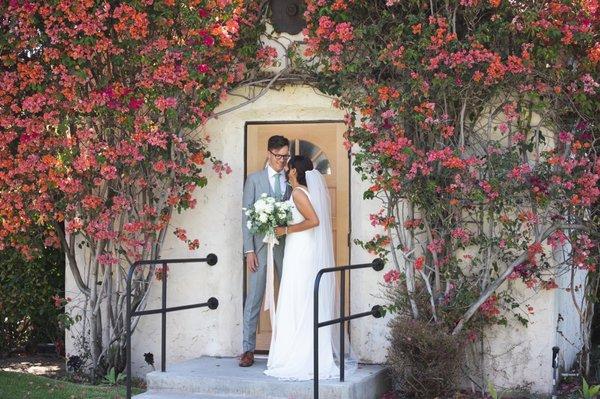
[(251, 387), (168, 394)]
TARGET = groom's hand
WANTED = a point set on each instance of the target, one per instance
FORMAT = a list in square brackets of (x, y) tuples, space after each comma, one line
[(252, 262)]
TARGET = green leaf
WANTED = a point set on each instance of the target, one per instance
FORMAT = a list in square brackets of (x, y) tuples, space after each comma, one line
[(492, 390), (585, 387)]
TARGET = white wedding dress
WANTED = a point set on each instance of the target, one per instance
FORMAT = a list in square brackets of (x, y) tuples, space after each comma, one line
[(306, 252)]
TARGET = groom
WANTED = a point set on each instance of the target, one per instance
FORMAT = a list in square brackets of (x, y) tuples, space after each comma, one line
[(271, 181)]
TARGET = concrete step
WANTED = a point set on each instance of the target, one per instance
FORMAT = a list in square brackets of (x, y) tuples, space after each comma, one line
[(222, 377), (152, 394)]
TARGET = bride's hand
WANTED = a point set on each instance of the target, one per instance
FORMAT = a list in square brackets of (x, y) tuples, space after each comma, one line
[(279, 231)]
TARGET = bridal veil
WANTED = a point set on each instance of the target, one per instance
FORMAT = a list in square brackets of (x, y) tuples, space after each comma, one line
[(324, 258)]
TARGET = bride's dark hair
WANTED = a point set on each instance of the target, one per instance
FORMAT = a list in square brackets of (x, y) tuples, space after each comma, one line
[(302, 165)]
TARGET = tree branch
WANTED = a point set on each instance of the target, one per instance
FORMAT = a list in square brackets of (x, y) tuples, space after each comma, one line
[(498, 282), (264, 91), (71, 259)]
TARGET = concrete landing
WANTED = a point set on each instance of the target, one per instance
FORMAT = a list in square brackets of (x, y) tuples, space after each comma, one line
[(221, 378), (166, 395)]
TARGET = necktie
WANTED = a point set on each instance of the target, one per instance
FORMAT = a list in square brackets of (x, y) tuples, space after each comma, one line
[(277, 188)]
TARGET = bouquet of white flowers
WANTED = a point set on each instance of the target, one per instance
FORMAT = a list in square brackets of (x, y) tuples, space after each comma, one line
[(266, 214)]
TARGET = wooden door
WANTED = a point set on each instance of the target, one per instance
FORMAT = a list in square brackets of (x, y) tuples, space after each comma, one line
[(323, 143)]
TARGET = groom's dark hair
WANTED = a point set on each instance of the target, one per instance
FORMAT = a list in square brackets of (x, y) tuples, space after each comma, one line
[(302, 165), (276, 142)]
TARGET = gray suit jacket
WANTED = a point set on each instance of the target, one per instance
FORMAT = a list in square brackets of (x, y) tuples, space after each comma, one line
[(256, 184)]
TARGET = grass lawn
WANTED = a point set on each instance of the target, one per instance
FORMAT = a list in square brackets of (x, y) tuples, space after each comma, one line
[(27, 386)]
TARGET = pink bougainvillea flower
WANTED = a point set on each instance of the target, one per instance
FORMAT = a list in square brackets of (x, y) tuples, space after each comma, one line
[(135, 103), (391, 276), (419, 263), (209, 41)]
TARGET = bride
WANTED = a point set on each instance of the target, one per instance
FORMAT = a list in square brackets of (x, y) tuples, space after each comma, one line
[(308, 248)]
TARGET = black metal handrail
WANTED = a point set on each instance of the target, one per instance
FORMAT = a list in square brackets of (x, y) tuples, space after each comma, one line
[(376, 311), (212, 303)]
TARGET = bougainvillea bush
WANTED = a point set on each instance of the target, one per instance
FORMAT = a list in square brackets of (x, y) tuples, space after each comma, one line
[(475, 123), (98, 101)]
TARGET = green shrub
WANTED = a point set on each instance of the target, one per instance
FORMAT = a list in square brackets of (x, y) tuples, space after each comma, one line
[(28, 289)]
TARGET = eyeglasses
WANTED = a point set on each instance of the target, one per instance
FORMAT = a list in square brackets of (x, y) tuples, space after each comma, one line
[(280, 156)]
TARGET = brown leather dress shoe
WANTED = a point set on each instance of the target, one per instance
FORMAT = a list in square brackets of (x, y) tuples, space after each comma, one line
[(247, 359)]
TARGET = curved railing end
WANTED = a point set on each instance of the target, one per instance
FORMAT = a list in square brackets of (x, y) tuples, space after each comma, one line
[(212, 259), (213, 303), (378, 264), (377, 311)]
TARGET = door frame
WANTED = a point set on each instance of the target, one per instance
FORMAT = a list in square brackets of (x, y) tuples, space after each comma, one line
[(288, 122)]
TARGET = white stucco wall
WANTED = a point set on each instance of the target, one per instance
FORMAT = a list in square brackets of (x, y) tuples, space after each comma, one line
[(518, 356), (567, 332), (369, 335), (75, 334), (522, 355)]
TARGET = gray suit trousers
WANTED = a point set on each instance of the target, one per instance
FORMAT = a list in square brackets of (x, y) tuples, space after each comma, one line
[(256, 291)]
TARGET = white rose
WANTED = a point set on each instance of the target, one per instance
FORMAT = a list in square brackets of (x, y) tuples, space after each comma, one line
[(259, 206)]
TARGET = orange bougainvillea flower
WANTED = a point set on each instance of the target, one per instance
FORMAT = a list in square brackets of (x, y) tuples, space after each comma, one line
[(594, 53), (198, 158)]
